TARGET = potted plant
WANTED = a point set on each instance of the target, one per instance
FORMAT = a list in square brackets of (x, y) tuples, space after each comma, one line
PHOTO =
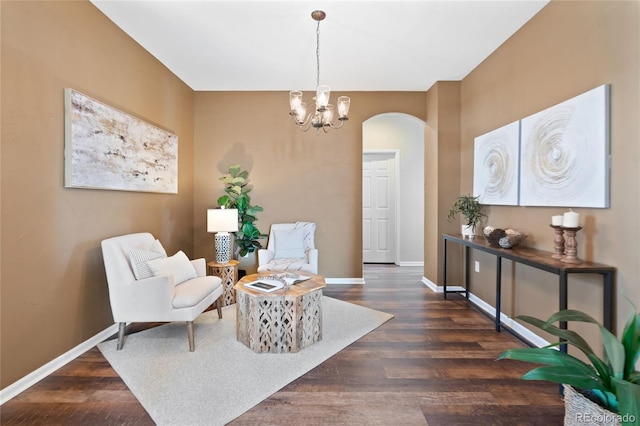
[(613, 382), (237, 197), (470, 207)]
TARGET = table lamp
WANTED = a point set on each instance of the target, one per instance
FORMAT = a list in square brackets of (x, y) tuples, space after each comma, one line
[(222, 221)]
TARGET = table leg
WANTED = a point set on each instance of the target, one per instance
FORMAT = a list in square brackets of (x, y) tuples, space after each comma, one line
[(563, 297), (444, 267), (608, 300), (467, 279), (498, 290)]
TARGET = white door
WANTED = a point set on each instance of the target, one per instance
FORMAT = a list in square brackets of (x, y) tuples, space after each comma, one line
[(378, 208)]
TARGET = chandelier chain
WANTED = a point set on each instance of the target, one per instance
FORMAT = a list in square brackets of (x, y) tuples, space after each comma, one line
[(318, 55)]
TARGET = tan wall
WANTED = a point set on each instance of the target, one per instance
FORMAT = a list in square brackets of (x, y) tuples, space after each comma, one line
[(442, 176), (54, 292), (567, 49), (296, 175)]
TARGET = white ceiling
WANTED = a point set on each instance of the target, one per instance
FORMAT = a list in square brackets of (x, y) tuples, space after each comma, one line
[(364, 45)]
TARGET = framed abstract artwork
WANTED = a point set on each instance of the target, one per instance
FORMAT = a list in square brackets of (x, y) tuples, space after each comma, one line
[(495, 168), (108, 149), (565, 153)]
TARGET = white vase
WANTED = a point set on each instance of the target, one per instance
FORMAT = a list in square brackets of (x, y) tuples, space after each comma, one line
[(468, 231)]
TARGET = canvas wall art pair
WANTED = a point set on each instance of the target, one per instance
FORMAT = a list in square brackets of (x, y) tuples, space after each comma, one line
[(557, 157)]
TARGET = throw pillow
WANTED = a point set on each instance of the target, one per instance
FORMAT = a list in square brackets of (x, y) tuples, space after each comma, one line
[(177, 265), (289, 244), (140, 257), (309, 231)]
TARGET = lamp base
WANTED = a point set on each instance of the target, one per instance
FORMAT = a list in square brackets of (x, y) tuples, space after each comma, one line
[(223, 247)]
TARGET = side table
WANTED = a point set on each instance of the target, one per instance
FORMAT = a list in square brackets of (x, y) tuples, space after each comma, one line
[(228, 273)]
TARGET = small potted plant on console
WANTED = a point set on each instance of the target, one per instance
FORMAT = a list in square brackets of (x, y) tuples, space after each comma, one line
[(471, 208)]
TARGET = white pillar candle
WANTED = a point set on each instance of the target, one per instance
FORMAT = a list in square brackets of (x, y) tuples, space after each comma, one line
[(571, 220), (557, 220)]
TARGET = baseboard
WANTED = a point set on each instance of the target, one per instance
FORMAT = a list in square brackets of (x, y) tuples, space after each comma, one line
[(409, 263), (515, 327), (34, 377), (438, 288), (344, 281)]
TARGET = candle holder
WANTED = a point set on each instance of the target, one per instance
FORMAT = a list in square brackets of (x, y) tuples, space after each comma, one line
[(571, 250), (558, 242)]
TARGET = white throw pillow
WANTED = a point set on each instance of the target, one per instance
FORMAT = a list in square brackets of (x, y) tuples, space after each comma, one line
[(177, 265), (289, 244), (140, 257)]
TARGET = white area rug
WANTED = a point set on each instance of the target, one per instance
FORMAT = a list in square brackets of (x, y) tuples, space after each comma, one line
[(223, 378)]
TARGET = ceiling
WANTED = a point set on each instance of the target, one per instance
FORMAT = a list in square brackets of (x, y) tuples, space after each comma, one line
[(364, 45)]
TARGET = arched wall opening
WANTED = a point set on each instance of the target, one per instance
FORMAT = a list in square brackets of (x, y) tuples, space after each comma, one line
[(401, 137)]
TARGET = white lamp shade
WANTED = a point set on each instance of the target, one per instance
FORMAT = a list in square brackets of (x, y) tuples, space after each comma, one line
[(343, 106), (295, 99), (222, 220), (301, 112), (327, 114)]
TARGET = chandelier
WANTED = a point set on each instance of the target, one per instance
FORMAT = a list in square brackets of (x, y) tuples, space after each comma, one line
[(322, 116)]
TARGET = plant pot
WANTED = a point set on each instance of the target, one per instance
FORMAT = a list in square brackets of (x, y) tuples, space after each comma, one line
[(248, 263), (580, 410), (468, 231)]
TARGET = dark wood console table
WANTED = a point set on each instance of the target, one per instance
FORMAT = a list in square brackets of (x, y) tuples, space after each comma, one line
[(537, 259)]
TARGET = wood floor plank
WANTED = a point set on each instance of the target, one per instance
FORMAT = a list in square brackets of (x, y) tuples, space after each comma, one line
[(433, 364)]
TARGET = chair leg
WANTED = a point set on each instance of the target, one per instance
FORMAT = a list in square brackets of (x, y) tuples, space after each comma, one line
[(192, 342), (219, 306), (121, 329)]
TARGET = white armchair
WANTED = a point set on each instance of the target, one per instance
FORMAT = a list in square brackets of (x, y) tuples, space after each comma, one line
[(291, 247), (147, 286)]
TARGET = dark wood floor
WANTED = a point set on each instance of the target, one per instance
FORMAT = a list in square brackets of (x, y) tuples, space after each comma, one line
[(434, 364)]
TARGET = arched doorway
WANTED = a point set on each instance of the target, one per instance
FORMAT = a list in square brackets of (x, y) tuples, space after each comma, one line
[(393, 184)]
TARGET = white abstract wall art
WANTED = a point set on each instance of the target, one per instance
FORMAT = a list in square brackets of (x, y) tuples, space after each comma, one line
[(565, 153), (108, 149), (495, 169)]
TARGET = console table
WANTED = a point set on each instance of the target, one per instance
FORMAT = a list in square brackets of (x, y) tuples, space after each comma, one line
[(537, 259)]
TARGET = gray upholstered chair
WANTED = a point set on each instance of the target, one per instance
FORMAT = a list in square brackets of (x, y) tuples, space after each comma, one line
[(147, 286), (291, 247)]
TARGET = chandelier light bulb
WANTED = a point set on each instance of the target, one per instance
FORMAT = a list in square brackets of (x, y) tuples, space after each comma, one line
[(322, 97)]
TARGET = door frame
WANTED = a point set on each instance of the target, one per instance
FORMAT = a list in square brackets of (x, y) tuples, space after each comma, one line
[(396, 177)]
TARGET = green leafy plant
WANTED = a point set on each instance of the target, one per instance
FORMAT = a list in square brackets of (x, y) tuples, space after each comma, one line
[(470, 207), (613, 380), (237, 197)]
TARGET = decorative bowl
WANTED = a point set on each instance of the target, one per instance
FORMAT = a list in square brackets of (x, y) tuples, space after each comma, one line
[(494, 235), (505, 238)]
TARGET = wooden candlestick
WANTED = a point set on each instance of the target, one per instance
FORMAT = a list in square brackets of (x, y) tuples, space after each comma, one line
[(558, 242), (571, 250)]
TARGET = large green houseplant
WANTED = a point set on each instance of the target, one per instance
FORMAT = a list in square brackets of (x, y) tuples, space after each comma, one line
[(237, 197), (471, 208), (613, 380)]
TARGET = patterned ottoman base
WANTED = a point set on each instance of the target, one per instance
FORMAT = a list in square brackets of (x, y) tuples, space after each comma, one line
[(279, 321)]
